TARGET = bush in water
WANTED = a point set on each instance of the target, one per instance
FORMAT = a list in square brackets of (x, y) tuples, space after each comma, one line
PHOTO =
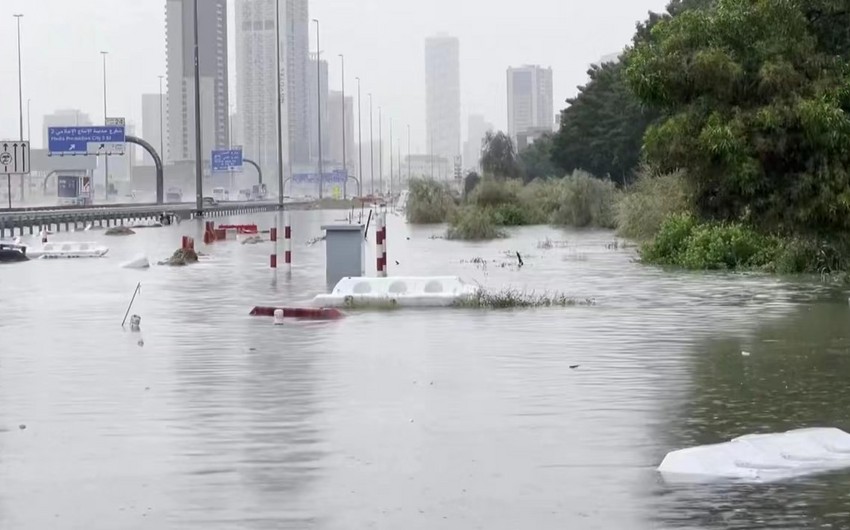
[(429, 202), (649, 202), (473, 223)]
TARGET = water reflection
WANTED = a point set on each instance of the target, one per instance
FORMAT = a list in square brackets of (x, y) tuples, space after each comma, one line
[(426, 419)]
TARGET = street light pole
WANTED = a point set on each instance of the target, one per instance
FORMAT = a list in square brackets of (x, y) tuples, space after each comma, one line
[(29, 122), (199, 161), (20, 103), (408, 154), (319, 107), (161, 123), (344, 160), (279, 111), (106, 153), (391, 157), (380, 152), (371, 149), (359, 137)]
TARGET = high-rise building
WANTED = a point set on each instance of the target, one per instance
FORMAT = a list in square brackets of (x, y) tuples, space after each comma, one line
[(256, 64), (212, 46), (153, 126), (530, 100), (477, 128), (64, 118), (313, 96), (442, 84), (296, 81), (335, 127)]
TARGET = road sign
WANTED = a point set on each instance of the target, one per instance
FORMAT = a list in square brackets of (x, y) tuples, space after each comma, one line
[(226, 160), (68, 186), (99, 140), (116, 122), (14, 157)]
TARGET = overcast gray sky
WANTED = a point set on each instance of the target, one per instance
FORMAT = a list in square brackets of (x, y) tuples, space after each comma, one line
[(383, 41)]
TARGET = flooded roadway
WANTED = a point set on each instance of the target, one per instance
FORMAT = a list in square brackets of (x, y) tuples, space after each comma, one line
[(453, 419)]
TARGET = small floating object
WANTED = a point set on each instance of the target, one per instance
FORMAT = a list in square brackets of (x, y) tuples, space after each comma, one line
[(745, 353), (305, 313), (434, 291), (135, 323), (761, 457), (278, 317), (139, 262)]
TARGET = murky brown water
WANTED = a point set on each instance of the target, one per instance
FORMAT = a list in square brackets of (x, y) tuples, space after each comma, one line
[(422, 419)]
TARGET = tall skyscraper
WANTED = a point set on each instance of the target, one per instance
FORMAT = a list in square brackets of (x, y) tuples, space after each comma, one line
[(530, 100), (212, 46), (296, 77), (442, 83), (151, 130), (256, 64), (313, 124), (335, 114)]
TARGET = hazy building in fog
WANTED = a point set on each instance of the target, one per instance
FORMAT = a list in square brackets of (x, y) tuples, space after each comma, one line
[(476, 130), (153, 126), (530, 100), (256, 83), (296, 93), (335, 122), (64, 118), (313, 126), (442, 87), (215, 110)]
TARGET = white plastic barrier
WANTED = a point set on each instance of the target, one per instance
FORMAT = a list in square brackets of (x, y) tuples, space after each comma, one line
[(139, 262), (436, 291), (762, 457)]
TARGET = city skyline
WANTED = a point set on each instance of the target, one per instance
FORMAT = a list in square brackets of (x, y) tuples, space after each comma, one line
[(397, 80)]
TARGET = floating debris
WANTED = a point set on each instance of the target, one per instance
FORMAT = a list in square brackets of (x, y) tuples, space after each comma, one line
[(181, 258), (510, 298), (548, 244), (253, 240), (315, 240), (119, 231)]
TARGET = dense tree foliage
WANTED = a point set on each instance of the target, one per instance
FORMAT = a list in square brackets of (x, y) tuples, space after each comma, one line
[(536, 162), (755, 96), (498, 156), (602, 129)]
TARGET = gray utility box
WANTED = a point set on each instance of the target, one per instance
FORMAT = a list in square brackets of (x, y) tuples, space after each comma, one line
[(345, 252)]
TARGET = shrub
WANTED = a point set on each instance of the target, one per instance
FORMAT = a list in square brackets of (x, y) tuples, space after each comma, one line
[(471, 223), (429, 202), (584, 200), (684, 242), (491, 192), (648, 202)]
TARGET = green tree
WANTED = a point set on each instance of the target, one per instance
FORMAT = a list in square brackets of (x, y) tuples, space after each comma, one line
[(470, 183), (755, 104), (498, 156), (536, 162)]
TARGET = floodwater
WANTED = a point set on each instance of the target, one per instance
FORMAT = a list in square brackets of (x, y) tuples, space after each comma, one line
[(449, 419)]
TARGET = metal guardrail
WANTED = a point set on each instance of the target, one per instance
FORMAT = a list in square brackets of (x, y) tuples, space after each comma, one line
[(168, 205)]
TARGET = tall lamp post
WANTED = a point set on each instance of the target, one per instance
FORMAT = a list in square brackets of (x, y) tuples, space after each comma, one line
[(105, 119), (20, 106), (279, 111), (344, 160), (359, 137), (199, 160), (371, 149), (319, 107), (408, 154), (380, 152)]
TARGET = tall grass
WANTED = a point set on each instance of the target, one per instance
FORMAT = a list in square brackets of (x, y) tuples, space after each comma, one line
[(653, 198), (471, 223), (585, 201), (429, 202)]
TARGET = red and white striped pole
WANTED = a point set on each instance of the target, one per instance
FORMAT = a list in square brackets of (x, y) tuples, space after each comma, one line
[(379, 245), (287, 242), (384, 243), (274, 247)]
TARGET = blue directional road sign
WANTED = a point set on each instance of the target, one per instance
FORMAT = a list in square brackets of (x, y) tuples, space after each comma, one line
[(226, 160), (100, 140)]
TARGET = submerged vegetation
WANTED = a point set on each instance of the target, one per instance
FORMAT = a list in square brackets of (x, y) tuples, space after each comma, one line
[(718, 140), (511, 298)]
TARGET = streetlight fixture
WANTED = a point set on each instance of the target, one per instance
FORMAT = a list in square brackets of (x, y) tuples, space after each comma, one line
[(105, 119), (319, 107), (344, 160), (359, 137), (279, 112), (20, 105), (199, 161), (371, 149)]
